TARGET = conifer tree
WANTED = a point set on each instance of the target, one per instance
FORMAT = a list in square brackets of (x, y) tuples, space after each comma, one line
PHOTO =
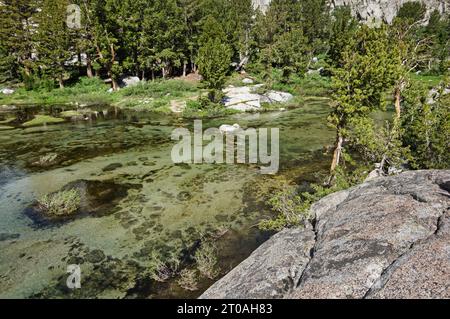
[(17, 26), (369, 68), (55, 40), (214, 57)]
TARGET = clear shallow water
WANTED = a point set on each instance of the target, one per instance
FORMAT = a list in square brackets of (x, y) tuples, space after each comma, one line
[(165, 210)]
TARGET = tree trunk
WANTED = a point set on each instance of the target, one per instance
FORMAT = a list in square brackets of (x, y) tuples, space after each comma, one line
[(337, 153), (27, 70), (164, 72), (398, 97), (153, 75), (61, 82), (89, 72), (184, 69), (114, 84)]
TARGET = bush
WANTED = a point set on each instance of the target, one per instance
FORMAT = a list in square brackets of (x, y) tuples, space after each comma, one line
[(206, 258), (293, 208), (188, 279), (64, 203), (162, 271)]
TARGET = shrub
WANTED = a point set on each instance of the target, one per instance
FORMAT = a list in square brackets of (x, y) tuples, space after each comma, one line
[(64, 203), (162, 271), (293, 208), (188, 279), (206, 258)]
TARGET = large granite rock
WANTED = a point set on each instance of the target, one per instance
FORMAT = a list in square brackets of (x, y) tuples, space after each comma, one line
[(274, 268), (366, 10), (386, 238), (245, 98)]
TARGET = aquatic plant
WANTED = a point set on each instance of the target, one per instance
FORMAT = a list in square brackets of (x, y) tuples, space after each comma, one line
[(206, 259), (47, 159), (162, 271), (64, 203), (188, 279)]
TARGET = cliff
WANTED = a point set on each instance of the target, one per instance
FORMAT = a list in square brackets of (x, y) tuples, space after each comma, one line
[(387, 238), (366, 10)]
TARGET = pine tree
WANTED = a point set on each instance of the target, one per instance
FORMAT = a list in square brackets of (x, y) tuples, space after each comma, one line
[(214, 57), (164, 38), (369, 68), (17, 25), (290, 53), (55, 40)]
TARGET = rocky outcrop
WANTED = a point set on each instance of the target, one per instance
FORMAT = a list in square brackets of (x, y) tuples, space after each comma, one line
[(367, 10), (387, 238), (245, 98)]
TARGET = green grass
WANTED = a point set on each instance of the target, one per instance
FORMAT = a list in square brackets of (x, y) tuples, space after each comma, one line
[(307, 86), (86, 91), (155, 96), (430, 80)]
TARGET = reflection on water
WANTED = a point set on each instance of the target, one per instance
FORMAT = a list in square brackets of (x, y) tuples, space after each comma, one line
[(166, 209)]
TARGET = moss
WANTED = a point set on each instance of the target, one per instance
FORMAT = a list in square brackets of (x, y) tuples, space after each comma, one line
[(42, 120)]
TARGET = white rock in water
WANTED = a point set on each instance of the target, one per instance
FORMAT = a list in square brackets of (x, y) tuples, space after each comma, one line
[(243, 107), (229, 129), (7, 91), (280, 97), (130, 81), (247, 81)]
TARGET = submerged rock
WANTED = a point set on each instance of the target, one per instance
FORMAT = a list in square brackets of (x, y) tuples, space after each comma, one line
[(387, 238), (5, 236), (98, 198), (112, 167), (229, 129)]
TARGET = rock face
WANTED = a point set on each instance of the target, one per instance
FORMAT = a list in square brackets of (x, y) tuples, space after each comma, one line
[(387, 238), (244, 98), (366, 10)]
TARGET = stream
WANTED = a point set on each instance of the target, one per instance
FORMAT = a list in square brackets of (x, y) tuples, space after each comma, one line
[(145, 206)]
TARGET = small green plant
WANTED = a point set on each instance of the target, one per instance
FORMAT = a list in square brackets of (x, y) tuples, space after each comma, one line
[(162, 271), (206, 258), (64, 203), (188, 279), (293, 208)]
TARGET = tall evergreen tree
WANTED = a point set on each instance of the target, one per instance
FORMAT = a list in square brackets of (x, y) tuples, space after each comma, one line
[(17, 26), (369, 68), (54, 40), (214, 57)]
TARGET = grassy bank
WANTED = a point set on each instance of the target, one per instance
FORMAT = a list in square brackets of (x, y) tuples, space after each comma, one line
[(155, 95), (162, 94)]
